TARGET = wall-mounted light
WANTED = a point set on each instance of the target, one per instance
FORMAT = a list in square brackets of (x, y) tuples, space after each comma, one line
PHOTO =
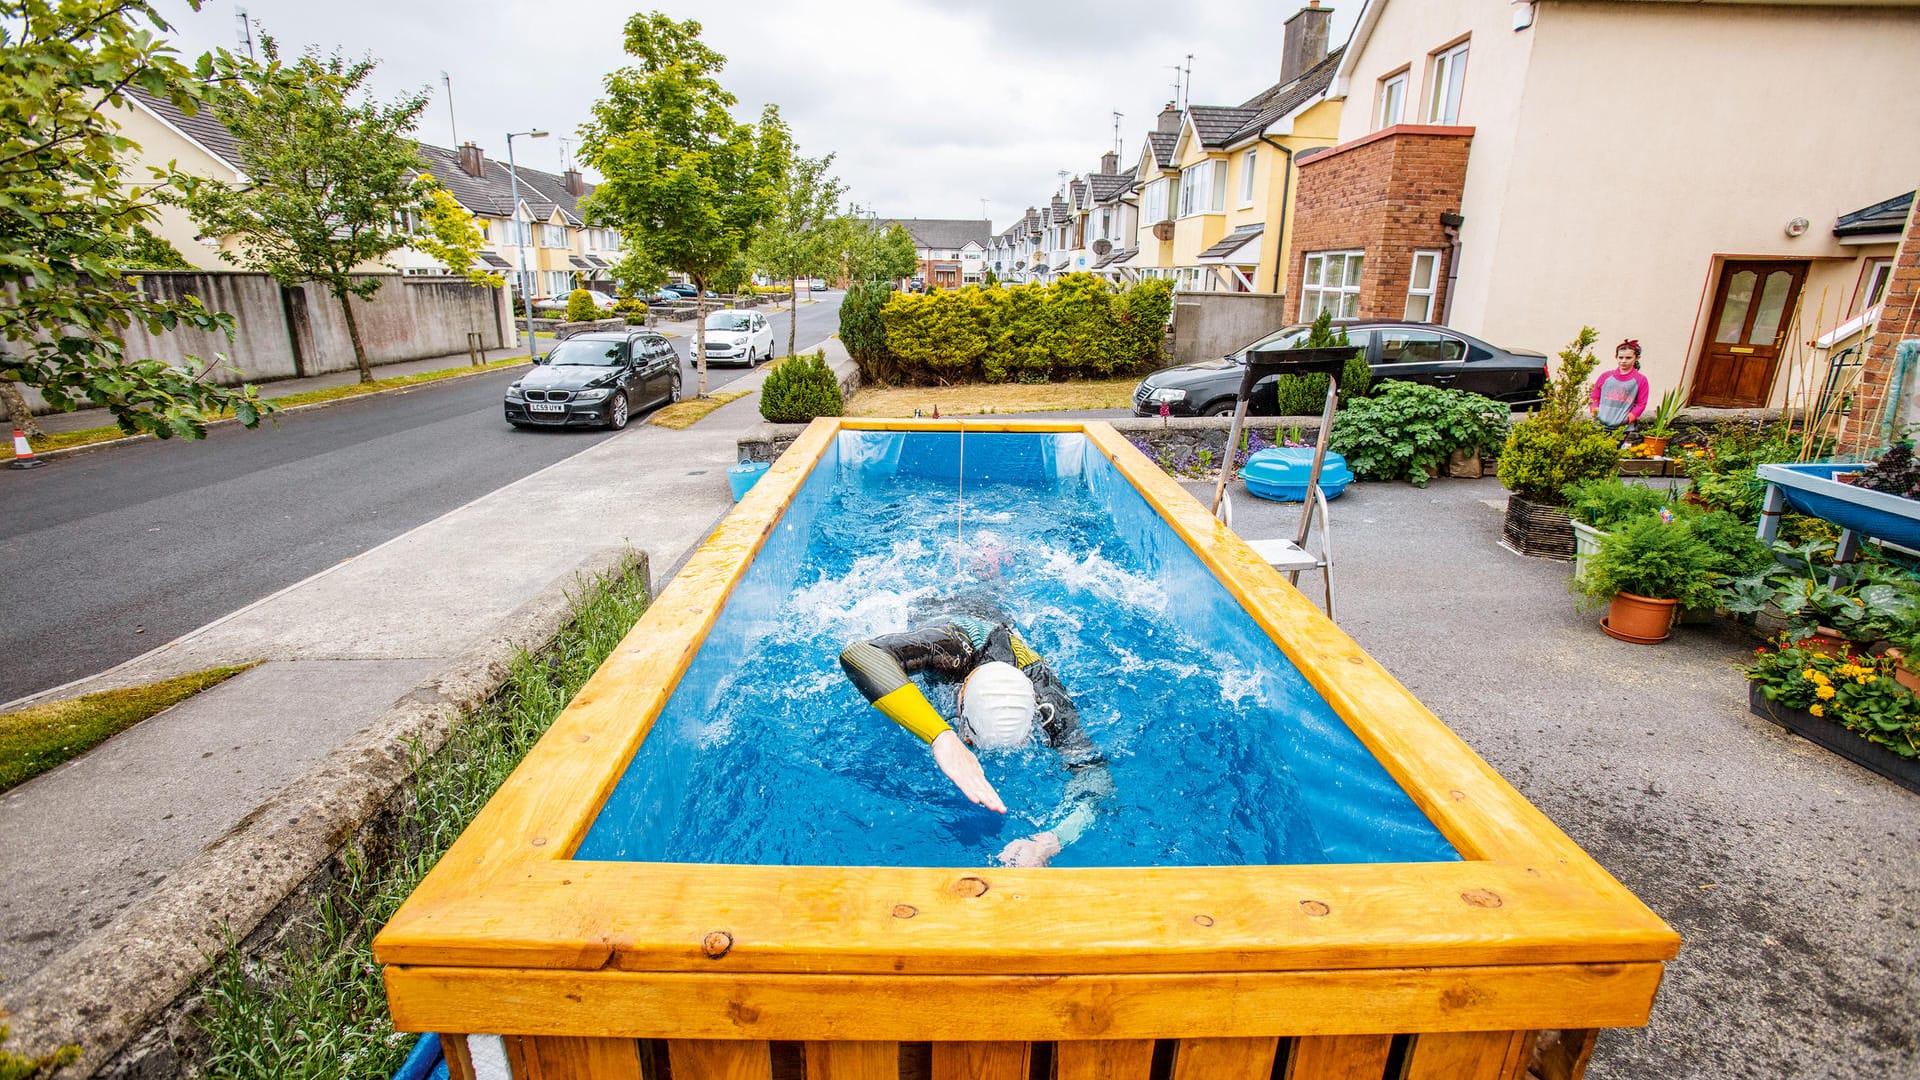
[(1798, 227)]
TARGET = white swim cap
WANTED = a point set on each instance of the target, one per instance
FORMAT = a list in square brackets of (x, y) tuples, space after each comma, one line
[(997, 706)]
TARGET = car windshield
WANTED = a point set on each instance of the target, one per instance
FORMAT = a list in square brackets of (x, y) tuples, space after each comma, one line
[(1291, 337), (579, 353), (728, 320)]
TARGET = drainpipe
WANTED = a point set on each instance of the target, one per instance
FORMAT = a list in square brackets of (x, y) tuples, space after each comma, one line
[(1286, 199), (1450, 225)]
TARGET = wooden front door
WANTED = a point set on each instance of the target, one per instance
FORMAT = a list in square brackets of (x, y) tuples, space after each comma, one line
[(1747, 326)]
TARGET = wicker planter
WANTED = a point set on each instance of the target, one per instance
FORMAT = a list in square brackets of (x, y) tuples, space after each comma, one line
[(1537, 529), (1835, 737)]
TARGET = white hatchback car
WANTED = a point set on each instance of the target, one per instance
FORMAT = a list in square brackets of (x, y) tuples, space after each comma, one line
[(738, 337)]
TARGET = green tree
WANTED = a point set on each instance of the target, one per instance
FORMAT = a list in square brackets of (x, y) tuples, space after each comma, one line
[(798, 239), (72, 217), (864, 332), (871, 253), (688, 185), (331, 184)]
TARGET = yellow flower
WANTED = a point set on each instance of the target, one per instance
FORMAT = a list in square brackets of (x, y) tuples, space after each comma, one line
[(1810, 675), (1817, 710), (1816, 678), (1823, 692)]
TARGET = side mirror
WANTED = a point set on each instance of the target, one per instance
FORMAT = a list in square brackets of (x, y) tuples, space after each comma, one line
[(543, 357)]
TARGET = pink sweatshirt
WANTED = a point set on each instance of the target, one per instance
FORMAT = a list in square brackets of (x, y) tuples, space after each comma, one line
[(1619, 399)]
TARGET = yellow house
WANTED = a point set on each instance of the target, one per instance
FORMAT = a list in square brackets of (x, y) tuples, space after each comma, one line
[(1233, 201), (1156, 183)]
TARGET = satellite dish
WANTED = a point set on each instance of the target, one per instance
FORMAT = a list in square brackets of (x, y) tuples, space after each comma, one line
[(1102, 247), (1020, 265)]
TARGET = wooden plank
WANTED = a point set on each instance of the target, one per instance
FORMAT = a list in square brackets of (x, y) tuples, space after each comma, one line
[(852, 1060), (1563, 1054), (726, 1005), (1468, 1055), (702, 1059), (1103, 1059), (564, 1057), (459, 1062), (1339, 1057), (1224, 1059), (982, 1060)]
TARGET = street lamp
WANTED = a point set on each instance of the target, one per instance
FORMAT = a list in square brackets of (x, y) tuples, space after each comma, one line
[(521, 239)]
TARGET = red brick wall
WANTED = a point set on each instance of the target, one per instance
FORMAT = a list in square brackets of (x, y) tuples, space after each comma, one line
[(1864, 429), (1382, 194)]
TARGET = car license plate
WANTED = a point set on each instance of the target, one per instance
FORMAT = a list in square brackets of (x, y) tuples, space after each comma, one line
[(540, 406)]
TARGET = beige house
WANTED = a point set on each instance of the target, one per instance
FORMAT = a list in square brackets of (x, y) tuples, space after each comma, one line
[(1671, 172)]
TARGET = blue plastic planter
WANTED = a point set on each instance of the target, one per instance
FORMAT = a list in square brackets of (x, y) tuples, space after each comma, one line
[(1811, 489), (1280, 473), (743, 476)]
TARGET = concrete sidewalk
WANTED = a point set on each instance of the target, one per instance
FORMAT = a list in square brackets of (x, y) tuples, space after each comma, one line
[(93, 418), (85, 842)]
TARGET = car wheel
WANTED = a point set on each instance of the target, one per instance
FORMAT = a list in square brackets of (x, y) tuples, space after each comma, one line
[(752, 359), (1220, 408), (617, 412), (673, 394)]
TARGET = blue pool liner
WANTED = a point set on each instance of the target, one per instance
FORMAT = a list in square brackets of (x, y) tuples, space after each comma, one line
[(1280, 473), (426, 1062)]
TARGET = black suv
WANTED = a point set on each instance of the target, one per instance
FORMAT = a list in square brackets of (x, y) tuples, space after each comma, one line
[(1409, 352), (596, 379)]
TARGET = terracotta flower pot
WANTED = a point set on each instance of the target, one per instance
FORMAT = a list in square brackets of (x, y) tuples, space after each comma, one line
[(1901, 675), (1639, 619), (1824, 640), (1656, 444)]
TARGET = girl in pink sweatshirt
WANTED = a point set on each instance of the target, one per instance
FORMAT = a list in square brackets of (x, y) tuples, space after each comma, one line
[(1620, 396)]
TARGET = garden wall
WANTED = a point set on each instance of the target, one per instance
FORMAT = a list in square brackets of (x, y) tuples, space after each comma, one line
[(1207, 326)]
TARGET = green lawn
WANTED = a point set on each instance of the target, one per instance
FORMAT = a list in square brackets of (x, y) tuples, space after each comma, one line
[(36, 739)]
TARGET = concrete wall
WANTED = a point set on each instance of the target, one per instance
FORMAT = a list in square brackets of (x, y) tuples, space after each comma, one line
[(1207, 326)]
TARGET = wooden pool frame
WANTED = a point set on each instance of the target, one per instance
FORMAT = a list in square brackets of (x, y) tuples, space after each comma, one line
[(1323, 965)]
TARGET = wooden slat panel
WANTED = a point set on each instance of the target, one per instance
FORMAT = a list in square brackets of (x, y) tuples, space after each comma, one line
[(1469, 1055), (982, 1060), (852, 1060), (1103, 1059), (459, 1064), (702, 1059), (1562, 1055), (564, 1057), (726, 1005), (1339, 1057), (1225, 1059)]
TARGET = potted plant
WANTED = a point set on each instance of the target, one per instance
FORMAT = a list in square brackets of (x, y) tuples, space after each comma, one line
[(1827, 608), (1556, 446), (1645, 568), (1850, 704), (1659, 430), (1595, 506)]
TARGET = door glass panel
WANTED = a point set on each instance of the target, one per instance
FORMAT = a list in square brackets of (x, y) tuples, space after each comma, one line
[(1418, 347), (1733, 317), (1773, 307)]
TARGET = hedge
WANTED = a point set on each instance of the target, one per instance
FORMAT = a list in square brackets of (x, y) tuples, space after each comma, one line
[(1078, 327), (800, 389)]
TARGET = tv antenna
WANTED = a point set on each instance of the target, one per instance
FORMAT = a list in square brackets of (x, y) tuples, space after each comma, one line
[(1116, 132), (566, 153), (1062, 173), (1187, 94), (983, 209), (452, 124), (243, 30)]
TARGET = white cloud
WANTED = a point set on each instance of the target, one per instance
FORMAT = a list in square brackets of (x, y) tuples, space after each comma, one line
[(929, 106)]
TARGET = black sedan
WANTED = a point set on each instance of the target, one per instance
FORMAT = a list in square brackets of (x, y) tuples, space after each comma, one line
[(596, 380), (1410, 352)]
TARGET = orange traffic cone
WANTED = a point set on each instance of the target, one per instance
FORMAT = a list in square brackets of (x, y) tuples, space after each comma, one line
[(22, 453)]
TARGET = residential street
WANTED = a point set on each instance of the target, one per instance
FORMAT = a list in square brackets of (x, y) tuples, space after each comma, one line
[(112, 553)]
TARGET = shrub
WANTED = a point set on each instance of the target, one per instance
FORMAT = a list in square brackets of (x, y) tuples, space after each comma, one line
[(864, 333), (939, 335), (580, 306), (1559, 445), (1407, 430), (800, 389), (1013, 335), (1142, 312), (634, 311), (1606, 502), (1306, 395), (1656, 558), (1077, 327)]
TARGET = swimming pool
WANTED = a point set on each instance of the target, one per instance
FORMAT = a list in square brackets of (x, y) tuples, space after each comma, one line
[(1221, 752)]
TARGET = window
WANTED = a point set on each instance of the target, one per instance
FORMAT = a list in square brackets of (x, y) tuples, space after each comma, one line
[(559, 282), (1156, 201), (485, 225), (518, 233), (1203, 188), (1106, 224), (1422, 284), (1393, 100), (1449, 72), (553, 236), (1879, 272), (1331, 282), (1409, 346), (1246, 178)]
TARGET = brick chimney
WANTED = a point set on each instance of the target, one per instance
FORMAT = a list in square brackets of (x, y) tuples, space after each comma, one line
[(1109, 163), (576, 184), (473, 162), (1169, 122), (1305, 43)]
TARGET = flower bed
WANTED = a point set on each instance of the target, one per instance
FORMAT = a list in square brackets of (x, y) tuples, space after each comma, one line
[(1852, 705)]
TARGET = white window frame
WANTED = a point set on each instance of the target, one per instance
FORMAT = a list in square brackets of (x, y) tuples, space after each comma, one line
[(1212, 187), (1247, 161), (1393, 100), (1449, 68), (1879, 272), (1315, 292), (485, 225), (1427, 297), (1156, 201), (553, 236)]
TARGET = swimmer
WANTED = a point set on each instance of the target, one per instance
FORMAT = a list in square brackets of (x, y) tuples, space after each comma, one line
[(1004, 687)]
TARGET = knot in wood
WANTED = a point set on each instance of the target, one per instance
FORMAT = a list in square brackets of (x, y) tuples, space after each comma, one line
[(1456, 794), (1482, 898), (539, 841), (970, 886), (717, 944), (1315, 908), (905, 911), (1203, 920)]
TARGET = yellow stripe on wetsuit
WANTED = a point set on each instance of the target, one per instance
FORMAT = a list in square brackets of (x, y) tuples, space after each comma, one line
[(910, 708)]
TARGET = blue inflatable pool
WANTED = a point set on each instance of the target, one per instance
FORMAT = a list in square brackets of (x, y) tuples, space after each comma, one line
[(1281, 473)]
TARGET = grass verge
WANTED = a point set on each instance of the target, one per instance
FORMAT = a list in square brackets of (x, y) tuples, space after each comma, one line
[(980, 399), (314, 1006), (36, 739), (684, 414), (87, 436)]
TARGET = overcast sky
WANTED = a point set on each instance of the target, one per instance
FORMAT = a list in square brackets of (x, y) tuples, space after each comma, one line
[(930, 107)]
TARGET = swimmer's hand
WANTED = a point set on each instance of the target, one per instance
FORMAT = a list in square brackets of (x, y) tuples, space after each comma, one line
[(963, 769), (1035, 850)]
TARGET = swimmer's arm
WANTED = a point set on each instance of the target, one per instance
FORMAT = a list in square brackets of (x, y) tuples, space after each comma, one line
[(1090, 786), (880, 676)]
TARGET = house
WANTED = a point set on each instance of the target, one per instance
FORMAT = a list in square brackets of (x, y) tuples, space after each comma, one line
[(1655, 170), (1156, 183), (1231, 205), (1112, 219), (952, 251)]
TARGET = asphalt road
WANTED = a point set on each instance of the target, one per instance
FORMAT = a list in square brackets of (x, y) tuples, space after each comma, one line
[(106, 555)]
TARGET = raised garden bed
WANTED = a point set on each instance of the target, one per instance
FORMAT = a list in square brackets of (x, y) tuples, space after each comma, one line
[(1837, 738), (1810, 489), (1654, 466)]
